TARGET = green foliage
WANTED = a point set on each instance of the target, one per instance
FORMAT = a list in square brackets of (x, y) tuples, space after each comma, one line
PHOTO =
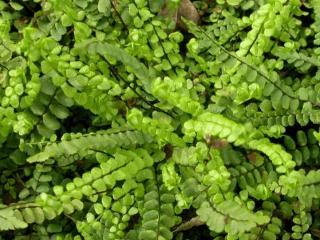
[(10, 222), (128, 120)]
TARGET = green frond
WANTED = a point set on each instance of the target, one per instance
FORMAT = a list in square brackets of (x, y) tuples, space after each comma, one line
[(158, 216), (215, 124), (159, 127), (9, 220), (75, 143), (230, 217)]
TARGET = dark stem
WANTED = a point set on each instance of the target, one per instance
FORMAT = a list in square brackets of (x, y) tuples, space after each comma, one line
[(119, 16), (119, 78)]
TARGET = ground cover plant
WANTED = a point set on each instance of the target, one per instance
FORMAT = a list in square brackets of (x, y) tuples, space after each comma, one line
[(155, 120)]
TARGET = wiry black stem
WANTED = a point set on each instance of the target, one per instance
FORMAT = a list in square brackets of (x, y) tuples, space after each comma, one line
[(119, 16), (115, 73)]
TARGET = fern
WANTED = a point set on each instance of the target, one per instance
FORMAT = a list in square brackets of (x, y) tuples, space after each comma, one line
[(223, 128), (158, 215), (125, 120), (9, 221), (76, 142)]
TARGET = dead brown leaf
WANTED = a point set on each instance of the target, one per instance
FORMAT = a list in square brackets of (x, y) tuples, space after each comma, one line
[(186, 9)]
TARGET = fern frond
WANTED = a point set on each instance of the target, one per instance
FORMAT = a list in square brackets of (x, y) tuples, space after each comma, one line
[(99, 141), (215, 124), (158, 215), (9, 221), (160, 129), (230, 217)]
